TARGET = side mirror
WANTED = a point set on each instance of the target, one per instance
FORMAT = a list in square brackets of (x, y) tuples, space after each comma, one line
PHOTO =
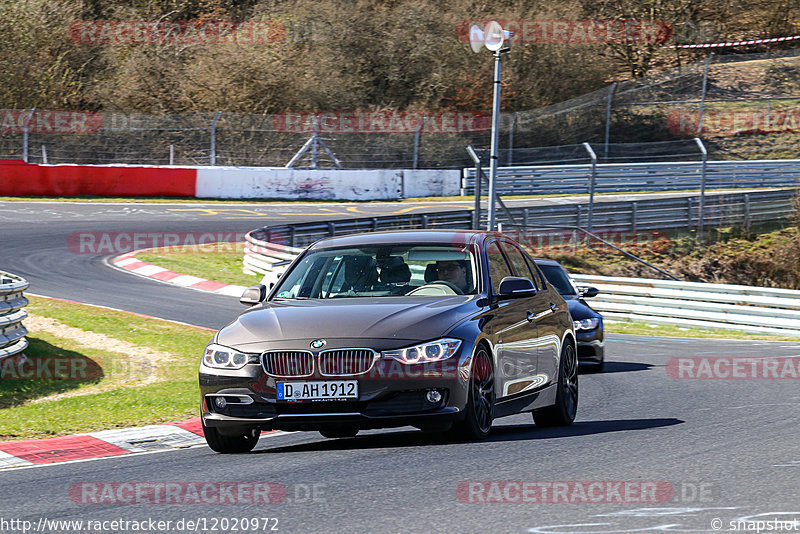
[(588, 292), (514, 287), (254, 295)]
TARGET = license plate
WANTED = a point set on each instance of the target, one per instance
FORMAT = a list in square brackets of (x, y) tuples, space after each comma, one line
[(318, 390)]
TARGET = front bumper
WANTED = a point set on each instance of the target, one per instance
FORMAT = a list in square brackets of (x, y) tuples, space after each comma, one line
[(390, 395), (591, 346)]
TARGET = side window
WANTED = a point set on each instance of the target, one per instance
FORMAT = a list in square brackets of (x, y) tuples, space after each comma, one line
[(537, 273), (515, 255), (498, 266)]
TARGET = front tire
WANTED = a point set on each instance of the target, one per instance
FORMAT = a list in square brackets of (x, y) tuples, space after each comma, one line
[(562, 413), (479, 411), (230, 444)]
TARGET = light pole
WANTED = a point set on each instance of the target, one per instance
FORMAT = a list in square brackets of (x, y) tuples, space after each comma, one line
[(497, 41)]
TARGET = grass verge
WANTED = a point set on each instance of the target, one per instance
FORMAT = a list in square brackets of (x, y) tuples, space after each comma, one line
[(172, 396)]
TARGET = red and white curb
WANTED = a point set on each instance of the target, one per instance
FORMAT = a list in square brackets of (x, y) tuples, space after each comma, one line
[(28, 453), (129, 262)]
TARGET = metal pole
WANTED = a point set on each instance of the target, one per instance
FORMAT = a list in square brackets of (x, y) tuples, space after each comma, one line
[(476, 221), (608, 119), (416, 142), (592, 182), (703, 95), (171, 154), (495, 132), (511, 137), (44, 154), (25, 135), (702, 187), (214, 139)]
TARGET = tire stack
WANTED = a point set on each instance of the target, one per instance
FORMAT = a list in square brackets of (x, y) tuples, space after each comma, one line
[(12, 313)]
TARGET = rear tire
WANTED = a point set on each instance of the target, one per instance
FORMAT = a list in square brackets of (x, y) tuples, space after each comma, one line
[(230, 444), (562, 413), (479, 411), (343, 432)]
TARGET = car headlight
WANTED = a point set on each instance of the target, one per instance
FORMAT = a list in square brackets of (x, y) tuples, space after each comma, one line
[(587, 324), (432, 351), (220, 357)]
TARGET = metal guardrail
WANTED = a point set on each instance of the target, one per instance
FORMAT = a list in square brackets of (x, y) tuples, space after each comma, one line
[(724, 306), (12, 313), (676, 213), (625, 177)]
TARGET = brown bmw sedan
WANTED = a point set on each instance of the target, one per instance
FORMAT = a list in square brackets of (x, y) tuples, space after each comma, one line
[(443, 330)]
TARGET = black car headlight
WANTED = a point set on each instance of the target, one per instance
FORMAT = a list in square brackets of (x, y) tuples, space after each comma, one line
[(433, 351), (587, 324), (221, 357)]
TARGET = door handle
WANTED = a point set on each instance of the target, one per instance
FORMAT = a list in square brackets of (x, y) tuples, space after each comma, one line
[(553, 307), (530, 316)]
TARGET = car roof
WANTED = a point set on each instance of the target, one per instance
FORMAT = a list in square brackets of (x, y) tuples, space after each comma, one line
[(547, 262), (422, 237)]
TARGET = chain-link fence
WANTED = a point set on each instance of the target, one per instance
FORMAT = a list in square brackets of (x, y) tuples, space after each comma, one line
[(744, 106)]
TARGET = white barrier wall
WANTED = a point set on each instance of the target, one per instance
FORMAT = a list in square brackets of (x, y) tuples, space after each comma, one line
[(324, 184)]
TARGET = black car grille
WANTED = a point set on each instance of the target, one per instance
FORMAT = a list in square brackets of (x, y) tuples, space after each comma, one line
[(288, 363), (345, 362)]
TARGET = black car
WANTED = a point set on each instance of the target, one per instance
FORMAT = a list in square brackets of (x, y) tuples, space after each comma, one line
[(588, 323), (442, 330)]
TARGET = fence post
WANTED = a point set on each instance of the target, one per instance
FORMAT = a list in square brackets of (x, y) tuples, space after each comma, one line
[(476, 213), (608, 118), (44, 154), (703, 95), (634, 210), (416, 142), (511, 138), (171, 154), (214, 139), (592, 182), (747, 213), (701, 220), (25, 124)]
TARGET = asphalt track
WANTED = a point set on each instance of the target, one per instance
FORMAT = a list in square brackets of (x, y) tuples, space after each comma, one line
[(728, 449)]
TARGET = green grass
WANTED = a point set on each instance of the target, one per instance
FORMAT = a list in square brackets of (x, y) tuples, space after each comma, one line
[(219, 265), (174, 396), (663, 330)]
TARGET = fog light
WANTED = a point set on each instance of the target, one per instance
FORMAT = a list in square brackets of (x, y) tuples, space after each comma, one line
[(434, 396), (220, 402)]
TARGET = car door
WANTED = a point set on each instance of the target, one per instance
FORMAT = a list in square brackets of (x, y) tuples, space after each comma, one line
[(513, 334), (549, 324), (542, 313)]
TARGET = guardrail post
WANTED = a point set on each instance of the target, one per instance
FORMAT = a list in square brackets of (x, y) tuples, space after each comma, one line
[(44, 154), (172, 154), (331, 229), (592, 182), (634, 208), (416, 142), (214, 139), (424, 222), (747, 213), (291, 236), (701, 220), (25, 124)]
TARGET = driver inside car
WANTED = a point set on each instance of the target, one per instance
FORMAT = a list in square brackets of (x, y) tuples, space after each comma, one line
[(454, 272)]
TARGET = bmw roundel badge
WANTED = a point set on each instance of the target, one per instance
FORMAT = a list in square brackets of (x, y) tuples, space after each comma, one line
[(318, 343)]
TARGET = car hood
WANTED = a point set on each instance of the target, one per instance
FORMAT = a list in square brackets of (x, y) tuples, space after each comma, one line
[(401, 319), (579, 309)]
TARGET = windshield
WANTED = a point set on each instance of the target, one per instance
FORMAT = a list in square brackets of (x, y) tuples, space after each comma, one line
[(558, 277), (381, 271)]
